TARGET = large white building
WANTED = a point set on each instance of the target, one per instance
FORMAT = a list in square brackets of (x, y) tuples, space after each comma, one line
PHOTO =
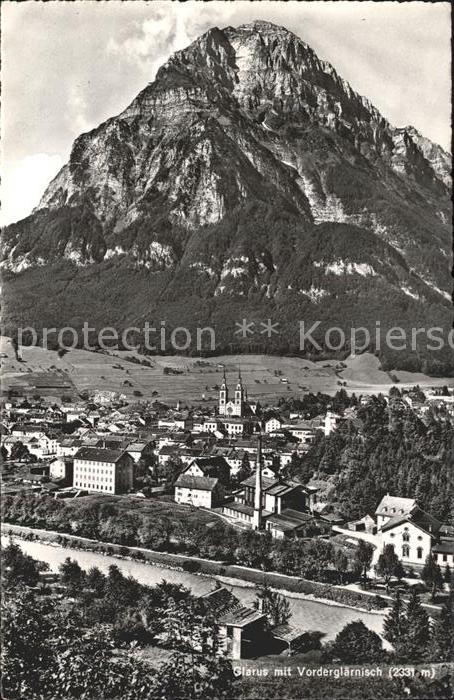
[(411, 531), (103, 470)]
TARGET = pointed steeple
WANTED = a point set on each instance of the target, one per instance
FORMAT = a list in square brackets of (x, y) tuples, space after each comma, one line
[(223, 395)]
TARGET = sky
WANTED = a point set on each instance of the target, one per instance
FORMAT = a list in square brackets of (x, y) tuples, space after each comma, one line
[(67, 66)]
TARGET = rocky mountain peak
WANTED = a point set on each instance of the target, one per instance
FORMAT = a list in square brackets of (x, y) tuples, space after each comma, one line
[(250, 172)]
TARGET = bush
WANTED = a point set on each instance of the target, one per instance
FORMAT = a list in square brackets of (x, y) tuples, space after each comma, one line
[(191, 566)]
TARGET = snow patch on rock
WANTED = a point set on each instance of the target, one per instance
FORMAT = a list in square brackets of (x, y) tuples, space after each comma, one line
[(341, 267)]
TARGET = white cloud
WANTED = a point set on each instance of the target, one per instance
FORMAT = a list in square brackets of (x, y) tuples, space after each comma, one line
[(76, 113), (24, 183)]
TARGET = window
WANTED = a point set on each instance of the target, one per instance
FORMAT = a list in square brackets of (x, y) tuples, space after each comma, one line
[(445, 557), (405, 550), (419, 552), (406, 536)]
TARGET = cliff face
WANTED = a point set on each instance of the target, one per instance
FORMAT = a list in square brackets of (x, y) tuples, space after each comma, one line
[(248, 170)]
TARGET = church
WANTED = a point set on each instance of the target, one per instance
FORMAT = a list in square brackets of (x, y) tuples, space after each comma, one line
[(239, 406)]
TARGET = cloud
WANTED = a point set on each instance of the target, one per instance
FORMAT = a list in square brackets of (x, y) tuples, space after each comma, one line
[(76, 110), (153, 40), (24, 183)]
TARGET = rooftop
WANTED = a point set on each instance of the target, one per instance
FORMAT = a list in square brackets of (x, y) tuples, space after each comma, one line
[(201, 483), (98, 454), (418, 517), (444, 547), (400, 505), (240, 616)]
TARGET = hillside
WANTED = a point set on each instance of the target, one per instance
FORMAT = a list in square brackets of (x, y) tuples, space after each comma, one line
[(195, 380), (248, 180)]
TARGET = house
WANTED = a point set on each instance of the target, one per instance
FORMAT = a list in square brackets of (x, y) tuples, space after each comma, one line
[(23, 430), (201, 491), (242, 630), (140, 450), (276, 496), (365, 524), (293, 639), (177, 452), (391, 506), (304, 431), (62, 468), (232, 456), (272, 423), (332, 420), (214, 426), (289, 523), (103, 470), (175, 422), (216, 467), (68, 446), (443, 552), (233, 426), (412, 534)]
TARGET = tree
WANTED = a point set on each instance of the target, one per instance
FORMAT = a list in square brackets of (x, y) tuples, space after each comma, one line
[(389, 565), (447, 576), (415, 642), (341, 564), (442, 633), (432, 576), (72, 576), (20, 452), (394, 625), (46, 653), (273, 605), (363, 558), (357, 644), (18, 567), (96, 581), (3, 453), (245, 470), (25, 643), (194, 676)]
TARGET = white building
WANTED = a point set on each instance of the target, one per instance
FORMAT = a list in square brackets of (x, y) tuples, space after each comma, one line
[(201, 491), (412, 535), (102, 470), (331, 422), (272, 423)]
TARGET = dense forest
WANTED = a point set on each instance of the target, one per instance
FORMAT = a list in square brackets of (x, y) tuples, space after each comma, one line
[(389, 449)]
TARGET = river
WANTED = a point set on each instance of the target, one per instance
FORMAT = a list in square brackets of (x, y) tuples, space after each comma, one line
[(306, 613)]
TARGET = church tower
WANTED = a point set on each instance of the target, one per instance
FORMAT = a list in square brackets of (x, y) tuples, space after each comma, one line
[(239, 396), (257, 517), (223, 396)]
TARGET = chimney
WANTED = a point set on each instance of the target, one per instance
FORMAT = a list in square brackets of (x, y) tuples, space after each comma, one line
[(257, 517)]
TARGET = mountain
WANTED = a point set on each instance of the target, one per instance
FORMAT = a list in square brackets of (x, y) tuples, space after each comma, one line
[(248, 180)]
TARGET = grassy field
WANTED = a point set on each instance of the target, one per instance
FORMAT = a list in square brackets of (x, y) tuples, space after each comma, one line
[(128, 505), (266, 377)]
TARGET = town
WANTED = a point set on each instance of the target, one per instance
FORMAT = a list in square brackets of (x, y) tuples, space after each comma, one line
[(345, 499), (241, 462)]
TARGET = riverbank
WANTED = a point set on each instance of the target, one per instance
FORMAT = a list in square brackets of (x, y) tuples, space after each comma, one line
[(306, 612), (291, 586)]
